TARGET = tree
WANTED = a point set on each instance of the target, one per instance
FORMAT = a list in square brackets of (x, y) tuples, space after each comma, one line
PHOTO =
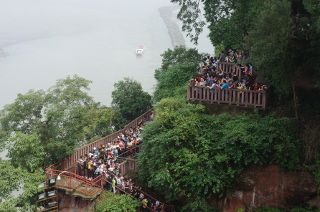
[(61, 118), (180, 55), (187, 154), (9, 178), (178, 67), (16, 179), (24, 114), (26, 151), (129, 99), (284, 49), (268, 44), (118, 203)]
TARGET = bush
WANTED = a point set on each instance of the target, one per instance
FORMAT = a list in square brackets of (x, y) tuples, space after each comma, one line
[(189, 154), (109, 202)]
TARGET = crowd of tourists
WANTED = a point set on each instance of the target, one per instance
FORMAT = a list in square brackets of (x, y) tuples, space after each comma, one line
[(119, 184), (233, 56), (212, 75), (105, 158), (105, 161)]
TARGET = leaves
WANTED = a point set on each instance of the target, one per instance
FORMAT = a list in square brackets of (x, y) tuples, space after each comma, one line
[(17, 179), (188, 154), (129, 99), (9, 178), (50, 124), (108, 202), (178, 67), (26, 151)]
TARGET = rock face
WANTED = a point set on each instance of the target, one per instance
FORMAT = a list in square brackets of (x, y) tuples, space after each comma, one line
[(69, 203), (271, 186)]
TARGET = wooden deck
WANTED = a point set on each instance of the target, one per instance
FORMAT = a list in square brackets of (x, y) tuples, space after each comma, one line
[(241, 98)]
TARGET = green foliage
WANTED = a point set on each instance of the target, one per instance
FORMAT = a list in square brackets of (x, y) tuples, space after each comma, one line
[(316, 172), (268, 209), (26, 151), (14, 179), (268, 43), (42, 127), (8, 205), (178, 67), (282, 38), (296, 209), (129, 99), (30, 189), (188, 154), (180, 55), (24, 114), (174, 79), (240, 210), (63, 117), (300, 209), (108, 202), (198, 205), (9, 178)]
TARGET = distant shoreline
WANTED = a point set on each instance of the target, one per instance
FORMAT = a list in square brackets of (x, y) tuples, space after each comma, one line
[(168, 16)]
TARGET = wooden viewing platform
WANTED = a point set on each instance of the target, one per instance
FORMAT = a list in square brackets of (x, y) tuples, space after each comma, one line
[(242, 98), (237, 97), (69, 162), (80, 186)]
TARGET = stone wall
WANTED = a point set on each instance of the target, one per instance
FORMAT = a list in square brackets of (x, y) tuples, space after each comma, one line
[(271, 186), (69, 203)]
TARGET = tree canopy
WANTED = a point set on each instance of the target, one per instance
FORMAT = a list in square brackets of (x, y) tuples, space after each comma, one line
[(55, 121), (178, 67), (189, 154), (108, 202), (281, 38), (41, 128), (129, 99)]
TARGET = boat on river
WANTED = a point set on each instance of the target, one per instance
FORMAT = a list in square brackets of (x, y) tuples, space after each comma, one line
[(139, 51)]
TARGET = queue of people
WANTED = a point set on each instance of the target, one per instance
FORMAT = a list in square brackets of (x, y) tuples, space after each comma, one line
[(105, 158), (105, 161), (212, 76), (118, 184)]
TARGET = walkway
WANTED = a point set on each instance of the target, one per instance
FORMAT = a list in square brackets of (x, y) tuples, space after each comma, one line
[(80, 186), (237, 97)]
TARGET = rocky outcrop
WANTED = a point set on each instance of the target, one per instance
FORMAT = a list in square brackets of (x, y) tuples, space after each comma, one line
[(70, 203), (271, 186)]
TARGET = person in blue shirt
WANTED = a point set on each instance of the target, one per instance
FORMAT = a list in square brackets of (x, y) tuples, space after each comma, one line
[(225, 85)]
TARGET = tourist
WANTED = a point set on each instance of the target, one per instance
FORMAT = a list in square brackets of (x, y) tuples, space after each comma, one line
[(113, 183), (224, 85)]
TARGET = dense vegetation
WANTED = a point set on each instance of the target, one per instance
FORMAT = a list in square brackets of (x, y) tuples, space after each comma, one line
[(187, 154), (42, 127), (110, 202), (281, 38), (130, 100), (190, 156)]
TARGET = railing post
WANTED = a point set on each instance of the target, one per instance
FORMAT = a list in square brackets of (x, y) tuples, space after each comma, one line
[(246, 98), (264, 100)]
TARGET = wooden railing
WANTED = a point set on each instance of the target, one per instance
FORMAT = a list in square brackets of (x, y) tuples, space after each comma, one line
[(129, 165), (244, 98), (70, 178), (98, 182), (230, 68), (69, 162)]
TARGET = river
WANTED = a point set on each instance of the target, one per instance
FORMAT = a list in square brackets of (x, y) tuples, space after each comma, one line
[(45, 40)]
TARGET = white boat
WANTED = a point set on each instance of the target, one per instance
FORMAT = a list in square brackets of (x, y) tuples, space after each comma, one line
[(139, 51)]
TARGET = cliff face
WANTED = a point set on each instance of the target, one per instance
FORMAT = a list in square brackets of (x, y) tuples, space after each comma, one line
[(69, 203), (271, 186)]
